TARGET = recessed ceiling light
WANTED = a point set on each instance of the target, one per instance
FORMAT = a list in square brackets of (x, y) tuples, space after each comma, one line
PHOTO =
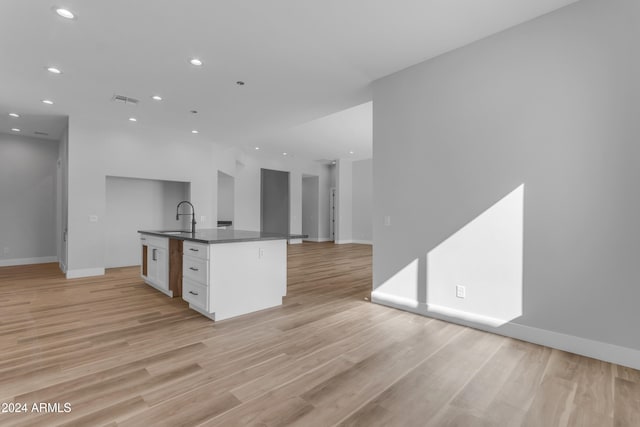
[(284, 154), (194, 131), (156, 97), (16, 115), (240, 83), (47, 101), (350, 151), (65, 13), (133, 119), (54, 70), (15, 129), (333, 162), (196, 62), (257, 148)]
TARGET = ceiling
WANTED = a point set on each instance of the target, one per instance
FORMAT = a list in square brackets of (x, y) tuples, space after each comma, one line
[(307, 65)]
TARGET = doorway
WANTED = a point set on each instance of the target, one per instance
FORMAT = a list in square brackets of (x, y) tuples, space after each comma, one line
[(274, 201), (226, 189), (310, 203), (332, 214)]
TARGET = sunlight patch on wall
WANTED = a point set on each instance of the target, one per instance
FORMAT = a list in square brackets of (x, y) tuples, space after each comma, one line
[(485, 258), (402, 287)]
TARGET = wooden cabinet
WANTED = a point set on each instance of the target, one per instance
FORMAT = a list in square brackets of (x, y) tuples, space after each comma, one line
[(175, 267)]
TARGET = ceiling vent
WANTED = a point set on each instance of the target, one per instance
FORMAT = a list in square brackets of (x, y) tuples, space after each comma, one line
[(40, 133), (125, 99)]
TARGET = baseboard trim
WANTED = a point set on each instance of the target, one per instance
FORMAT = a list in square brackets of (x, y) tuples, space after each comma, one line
[(85, 272), (351, 241), (317, 239), (590, 348), (362, 242), (295, 241), (27, 261)]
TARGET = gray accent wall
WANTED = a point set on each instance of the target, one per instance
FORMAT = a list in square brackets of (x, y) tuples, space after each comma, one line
[(28, 211), (310, 204), (553, 104), (274, 201)]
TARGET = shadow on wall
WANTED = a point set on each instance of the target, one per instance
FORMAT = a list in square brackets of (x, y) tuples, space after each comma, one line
[(475, 274)]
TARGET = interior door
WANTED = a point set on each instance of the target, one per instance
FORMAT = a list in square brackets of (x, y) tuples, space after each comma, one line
[(274, 201)]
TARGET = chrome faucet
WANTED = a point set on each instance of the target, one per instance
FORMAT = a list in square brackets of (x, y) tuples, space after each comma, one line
[(193, 215)]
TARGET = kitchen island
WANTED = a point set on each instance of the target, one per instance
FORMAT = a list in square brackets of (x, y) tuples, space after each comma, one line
[(221, 273)]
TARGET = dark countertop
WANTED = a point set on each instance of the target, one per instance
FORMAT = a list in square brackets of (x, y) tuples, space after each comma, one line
[(217, 235)]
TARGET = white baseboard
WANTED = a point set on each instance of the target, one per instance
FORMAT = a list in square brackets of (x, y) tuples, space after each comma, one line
[(359, 242), (317, 239), (362, 242), (596, 349), (295, 241), (27, 261), (85, 272)]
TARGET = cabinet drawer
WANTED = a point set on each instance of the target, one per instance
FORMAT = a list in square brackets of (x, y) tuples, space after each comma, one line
[(195, 294), (158, 242), (195, 269), (198, 250)]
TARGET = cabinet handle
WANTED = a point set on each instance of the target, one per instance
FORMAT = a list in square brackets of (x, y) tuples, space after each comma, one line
[(193, 269), (153, 255), (194, 250), (193, 293)]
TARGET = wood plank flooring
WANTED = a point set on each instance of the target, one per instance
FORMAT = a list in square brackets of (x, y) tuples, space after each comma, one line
[(122, 354)]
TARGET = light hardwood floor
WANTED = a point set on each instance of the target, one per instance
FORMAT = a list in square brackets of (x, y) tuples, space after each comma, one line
[(122, 354)]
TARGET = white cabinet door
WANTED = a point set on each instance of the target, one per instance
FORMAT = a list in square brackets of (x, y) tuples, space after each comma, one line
[(162, 272), (158, 267)]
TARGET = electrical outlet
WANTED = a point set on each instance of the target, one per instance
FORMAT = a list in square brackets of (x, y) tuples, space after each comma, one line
[(260, 253), (387, 220), (203, 218), (461, 291)]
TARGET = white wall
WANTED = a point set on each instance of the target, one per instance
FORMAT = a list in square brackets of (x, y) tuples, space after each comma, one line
[(98, 149), (551, 104), (62, 200), (28, 212), (362, 204), (247, 196), (344, 203), (139, 204)]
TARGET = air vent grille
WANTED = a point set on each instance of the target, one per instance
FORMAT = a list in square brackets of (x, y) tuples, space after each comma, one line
[(125, 99), (40, 133)]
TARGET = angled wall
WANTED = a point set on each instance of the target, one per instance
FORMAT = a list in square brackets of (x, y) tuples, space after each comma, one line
[(552, 104)]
